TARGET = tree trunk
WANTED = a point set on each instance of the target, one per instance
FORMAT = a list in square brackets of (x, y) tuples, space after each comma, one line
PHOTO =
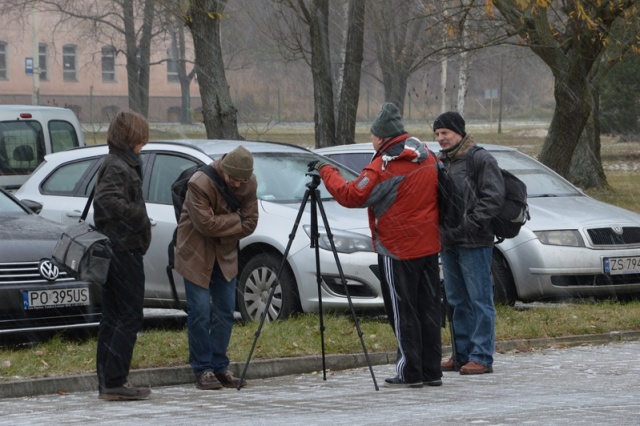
[(463, 78), (349, 87), (324, 116), (132, 56), (219, 112), (572, 110), (586, 169), (178, 56), (144, 54)]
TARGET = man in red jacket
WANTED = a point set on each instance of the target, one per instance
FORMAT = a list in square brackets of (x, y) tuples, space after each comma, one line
[(399, 188)]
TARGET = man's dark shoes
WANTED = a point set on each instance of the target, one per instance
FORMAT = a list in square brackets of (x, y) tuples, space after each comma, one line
[(431, 382), (125, 392), (228, 381), (449, 365), (473, 367), (395, 382), (208, 381)]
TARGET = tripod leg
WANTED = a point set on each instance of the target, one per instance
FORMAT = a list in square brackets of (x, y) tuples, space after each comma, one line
[(275, 283), (346, 289), (315, 235)]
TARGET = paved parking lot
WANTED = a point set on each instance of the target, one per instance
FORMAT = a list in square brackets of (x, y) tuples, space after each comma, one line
[(581, 385)]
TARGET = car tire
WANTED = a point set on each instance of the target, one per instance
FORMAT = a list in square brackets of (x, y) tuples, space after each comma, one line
[(254, 287), (504, 288)]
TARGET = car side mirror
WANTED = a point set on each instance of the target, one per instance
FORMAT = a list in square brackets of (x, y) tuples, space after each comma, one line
[(34, 206)]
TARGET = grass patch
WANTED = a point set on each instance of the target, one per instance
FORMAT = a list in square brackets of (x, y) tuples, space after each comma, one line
[(622, 191), (300, 336)]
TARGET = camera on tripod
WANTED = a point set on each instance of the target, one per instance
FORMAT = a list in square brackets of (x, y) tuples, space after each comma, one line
[(312, 195)]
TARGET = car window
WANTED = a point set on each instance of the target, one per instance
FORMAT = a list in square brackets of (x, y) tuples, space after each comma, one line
[(66, 179), (540, 181), (283, 177), (63, 135), (355, 161), (9, 207), (21, 146), (166, 169)]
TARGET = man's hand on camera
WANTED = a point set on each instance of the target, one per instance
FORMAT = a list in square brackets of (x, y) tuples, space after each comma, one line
[(316, 165)]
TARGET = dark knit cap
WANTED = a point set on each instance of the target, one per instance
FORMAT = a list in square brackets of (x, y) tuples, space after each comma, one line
[(388, 123), (450, 120), (238, 163)]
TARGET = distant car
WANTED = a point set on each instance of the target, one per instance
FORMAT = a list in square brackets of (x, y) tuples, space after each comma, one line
[(28, 133), (574, 246), (61, 185), (34, 293)]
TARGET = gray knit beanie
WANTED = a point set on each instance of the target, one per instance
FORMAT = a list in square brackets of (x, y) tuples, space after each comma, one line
[(450, 120), (238, 163), (388, 123)]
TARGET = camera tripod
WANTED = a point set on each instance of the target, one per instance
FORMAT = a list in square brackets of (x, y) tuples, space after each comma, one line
[(311, 193)]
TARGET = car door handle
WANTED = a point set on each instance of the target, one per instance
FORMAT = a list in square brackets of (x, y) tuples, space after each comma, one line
[(153, 222), (74, 214)]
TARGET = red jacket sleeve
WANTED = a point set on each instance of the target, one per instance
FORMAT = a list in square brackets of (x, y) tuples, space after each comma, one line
[(355, 193)]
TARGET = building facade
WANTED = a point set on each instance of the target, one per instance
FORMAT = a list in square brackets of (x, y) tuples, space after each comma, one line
[(81, 72)]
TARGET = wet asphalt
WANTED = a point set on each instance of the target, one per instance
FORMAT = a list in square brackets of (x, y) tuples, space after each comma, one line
[(581, 380)]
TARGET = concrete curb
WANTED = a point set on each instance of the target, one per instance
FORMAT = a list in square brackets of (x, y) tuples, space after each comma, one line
[(259, 369)]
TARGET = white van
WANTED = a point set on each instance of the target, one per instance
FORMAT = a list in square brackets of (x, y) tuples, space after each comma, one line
[(28, 133)]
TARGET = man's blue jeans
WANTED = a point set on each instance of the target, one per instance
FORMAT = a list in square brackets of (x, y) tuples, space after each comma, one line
[(209, 322), (467, 284)]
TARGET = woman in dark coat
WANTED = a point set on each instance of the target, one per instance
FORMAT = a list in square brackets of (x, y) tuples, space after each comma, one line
[(120, 213)]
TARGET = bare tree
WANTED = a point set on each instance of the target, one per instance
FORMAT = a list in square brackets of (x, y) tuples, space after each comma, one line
[(302, 31), (349, 81), (403, 38), (174, 26), (580, 41), (220, 114), (127, 25)]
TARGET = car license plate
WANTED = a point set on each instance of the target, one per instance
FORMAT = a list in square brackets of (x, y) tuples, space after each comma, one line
[(621, 265), (39, 299)]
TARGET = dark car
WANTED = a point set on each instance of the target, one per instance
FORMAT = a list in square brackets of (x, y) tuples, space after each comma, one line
[(35, 293)]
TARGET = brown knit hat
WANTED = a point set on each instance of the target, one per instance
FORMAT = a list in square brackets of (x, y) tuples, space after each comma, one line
[(238, 163)]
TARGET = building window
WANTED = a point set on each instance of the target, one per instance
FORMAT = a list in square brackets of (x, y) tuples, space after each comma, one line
[(43, 61), (69, 62), (172, 68), (3, 61), (108, 63)]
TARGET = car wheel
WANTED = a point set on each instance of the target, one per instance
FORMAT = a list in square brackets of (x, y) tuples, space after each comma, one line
[(255, 284), (504, 288)]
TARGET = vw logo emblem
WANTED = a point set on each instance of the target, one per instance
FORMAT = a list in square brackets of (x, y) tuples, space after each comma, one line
[(617, 230), (48, 270)]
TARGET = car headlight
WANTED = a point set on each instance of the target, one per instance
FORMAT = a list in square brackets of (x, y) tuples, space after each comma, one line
[(345, 242), (568, 237)]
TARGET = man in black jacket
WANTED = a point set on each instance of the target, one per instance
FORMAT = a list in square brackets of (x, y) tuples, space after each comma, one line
[(467, 247)]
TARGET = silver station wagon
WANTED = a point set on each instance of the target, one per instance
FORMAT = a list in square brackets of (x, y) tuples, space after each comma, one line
[(574, 246)]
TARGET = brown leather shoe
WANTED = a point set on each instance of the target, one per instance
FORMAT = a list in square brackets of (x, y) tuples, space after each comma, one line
[(208, 381), (473, 367), (448, 365), (228, 381)]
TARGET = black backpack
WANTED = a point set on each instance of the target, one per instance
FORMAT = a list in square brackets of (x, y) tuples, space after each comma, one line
[(515, 210), (450, 203)]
